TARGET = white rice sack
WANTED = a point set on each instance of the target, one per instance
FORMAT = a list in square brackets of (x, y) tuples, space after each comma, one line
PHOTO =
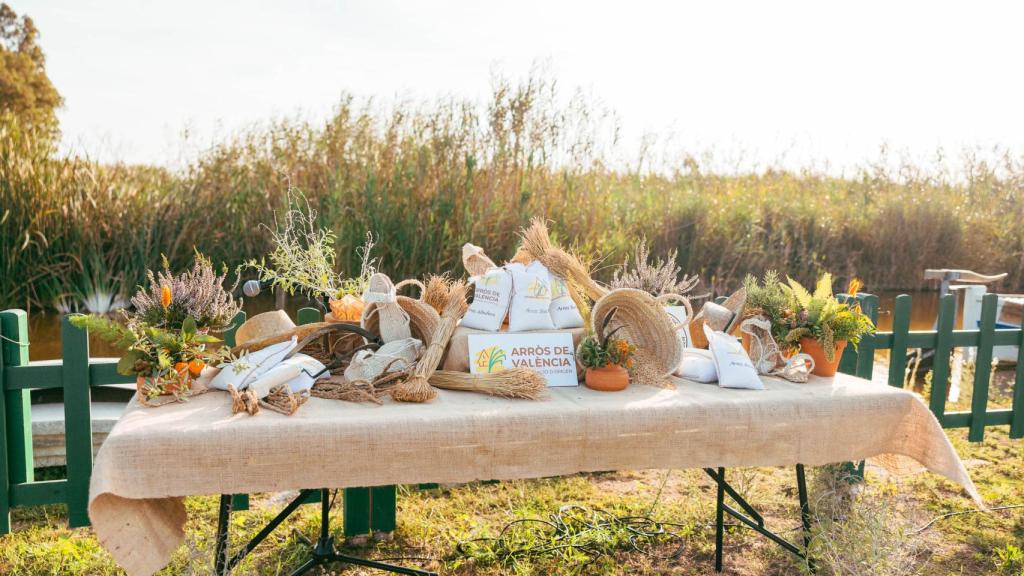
[(564, 313), (492, 293), (251, 365), (698, 365), (735, 370), (531, 303)]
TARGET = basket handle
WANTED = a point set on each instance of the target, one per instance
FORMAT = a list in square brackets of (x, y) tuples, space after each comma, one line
[(411, 282), (666, 298)]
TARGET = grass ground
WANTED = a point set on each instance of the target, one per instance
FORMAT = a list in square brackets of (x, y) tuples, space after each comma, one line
[(880, 529)]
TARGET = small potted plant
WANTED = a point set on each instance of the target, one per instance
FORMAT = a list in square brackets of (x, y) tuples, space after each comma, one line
[(822, 325), (304, 258), (607, 362)]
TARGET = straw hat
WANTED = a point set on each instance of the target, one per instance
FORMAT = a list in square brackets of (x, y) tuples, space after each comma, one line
[(643, 322), (724, 317), (273, 324)]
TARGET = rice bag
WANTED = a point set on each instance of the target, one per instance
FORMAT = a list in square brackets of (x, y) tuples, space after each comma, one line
[(564, 312), (698, 365), (735, 370), (492, 293), (531, 303)]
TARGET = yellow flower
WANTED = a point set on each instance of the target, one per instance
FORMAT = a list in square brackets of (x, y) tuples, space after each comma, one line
[(165, 296)]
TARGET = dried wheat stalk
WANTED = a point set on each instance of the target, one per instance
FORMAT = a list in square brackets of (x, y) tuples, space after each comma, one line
[(417, 388), (514, 383), (537, 242)]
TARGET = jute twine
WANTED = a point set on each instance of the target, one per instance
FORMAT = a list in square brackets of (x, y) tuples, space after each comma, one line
[(640, 318), (513, 383), (537, 242), (381, 304), (417, 388), (337, 387)]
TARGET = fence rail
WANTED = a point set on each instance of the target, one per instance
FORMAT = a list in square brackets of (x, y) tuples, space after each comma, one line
[(373, 509)]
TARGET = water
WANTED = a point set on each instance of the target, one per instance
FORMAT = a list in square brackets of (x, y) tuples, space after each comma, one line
[(44, 328)]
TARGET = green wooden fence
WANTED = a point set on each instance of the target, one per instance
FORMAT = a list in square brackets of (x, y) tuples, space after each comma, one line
[(373, 509)]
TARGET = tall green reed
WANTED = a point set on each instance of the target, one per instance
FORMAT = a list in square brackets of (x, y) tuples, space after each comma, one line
[(427, 177)]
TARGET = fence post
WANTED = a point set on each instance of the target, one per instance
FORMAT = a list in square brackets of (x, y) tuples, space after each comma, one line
[(861, 362), (943, 349), (15, 413), (14, 327), (900, 335), (983, 367), (77, 420), (1017, 424), (5, 483)]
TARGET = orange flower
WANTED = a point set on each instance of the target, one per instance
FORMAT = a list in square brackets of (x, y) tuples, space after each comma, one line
[(165, 296), (854, 287)]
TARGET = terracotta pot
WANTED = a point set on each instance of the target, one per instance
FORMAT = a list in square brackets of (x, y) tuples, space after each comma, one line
[(608, 379), (822, 367)]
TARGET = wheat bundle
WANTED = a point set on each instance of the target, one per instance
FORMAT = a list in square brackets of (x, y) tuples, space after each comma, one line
[(435, 293), (537, 242), (513, 383), (638, 317), (417, 388)]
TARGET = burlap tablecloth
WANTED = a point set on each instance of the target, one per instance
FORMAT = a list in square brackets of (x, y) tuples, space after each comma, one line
[(155, 456)]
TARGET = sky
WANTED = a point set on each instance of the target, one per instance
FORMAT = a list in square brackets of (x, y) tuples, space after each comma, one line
[(752, 83)]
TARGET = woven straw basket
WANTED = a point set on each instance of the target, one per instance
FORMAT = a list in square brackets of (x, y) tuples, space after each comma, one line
[(643, 322)]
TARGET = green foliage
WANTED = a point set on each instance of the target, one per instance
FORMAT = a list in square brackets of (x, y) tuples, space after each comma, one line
[(592, 353), (304, 256), (26, 92), (152, 352), (821, 316), (767, 298)]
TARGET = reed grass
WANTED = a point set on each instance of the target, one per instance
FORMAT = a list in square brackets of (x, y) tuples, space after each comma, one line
[(426, 178)]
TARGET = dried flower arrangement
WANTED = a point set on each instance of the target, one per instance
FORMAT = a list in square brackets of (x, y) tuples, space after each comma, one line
[(304, 258), (164, 361), (657, 277), (198, 294)]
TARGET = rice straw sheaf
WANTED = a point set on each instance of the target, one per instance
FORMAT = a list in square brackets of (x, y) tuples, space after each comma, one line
[(513, 383), (435, 294), (537, 242), (423, 319), (417, 388), (639, 318)]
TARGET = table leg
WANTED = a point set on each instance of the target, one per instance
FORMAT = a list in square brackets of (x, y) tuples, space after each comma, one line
[(719, 519), (220, 559), (805, 512)]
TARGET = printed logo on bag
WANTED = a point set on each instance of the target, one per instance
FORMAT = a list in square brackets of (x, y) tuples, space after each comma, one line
[(538, 289), (550, 354), (490, 360)]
